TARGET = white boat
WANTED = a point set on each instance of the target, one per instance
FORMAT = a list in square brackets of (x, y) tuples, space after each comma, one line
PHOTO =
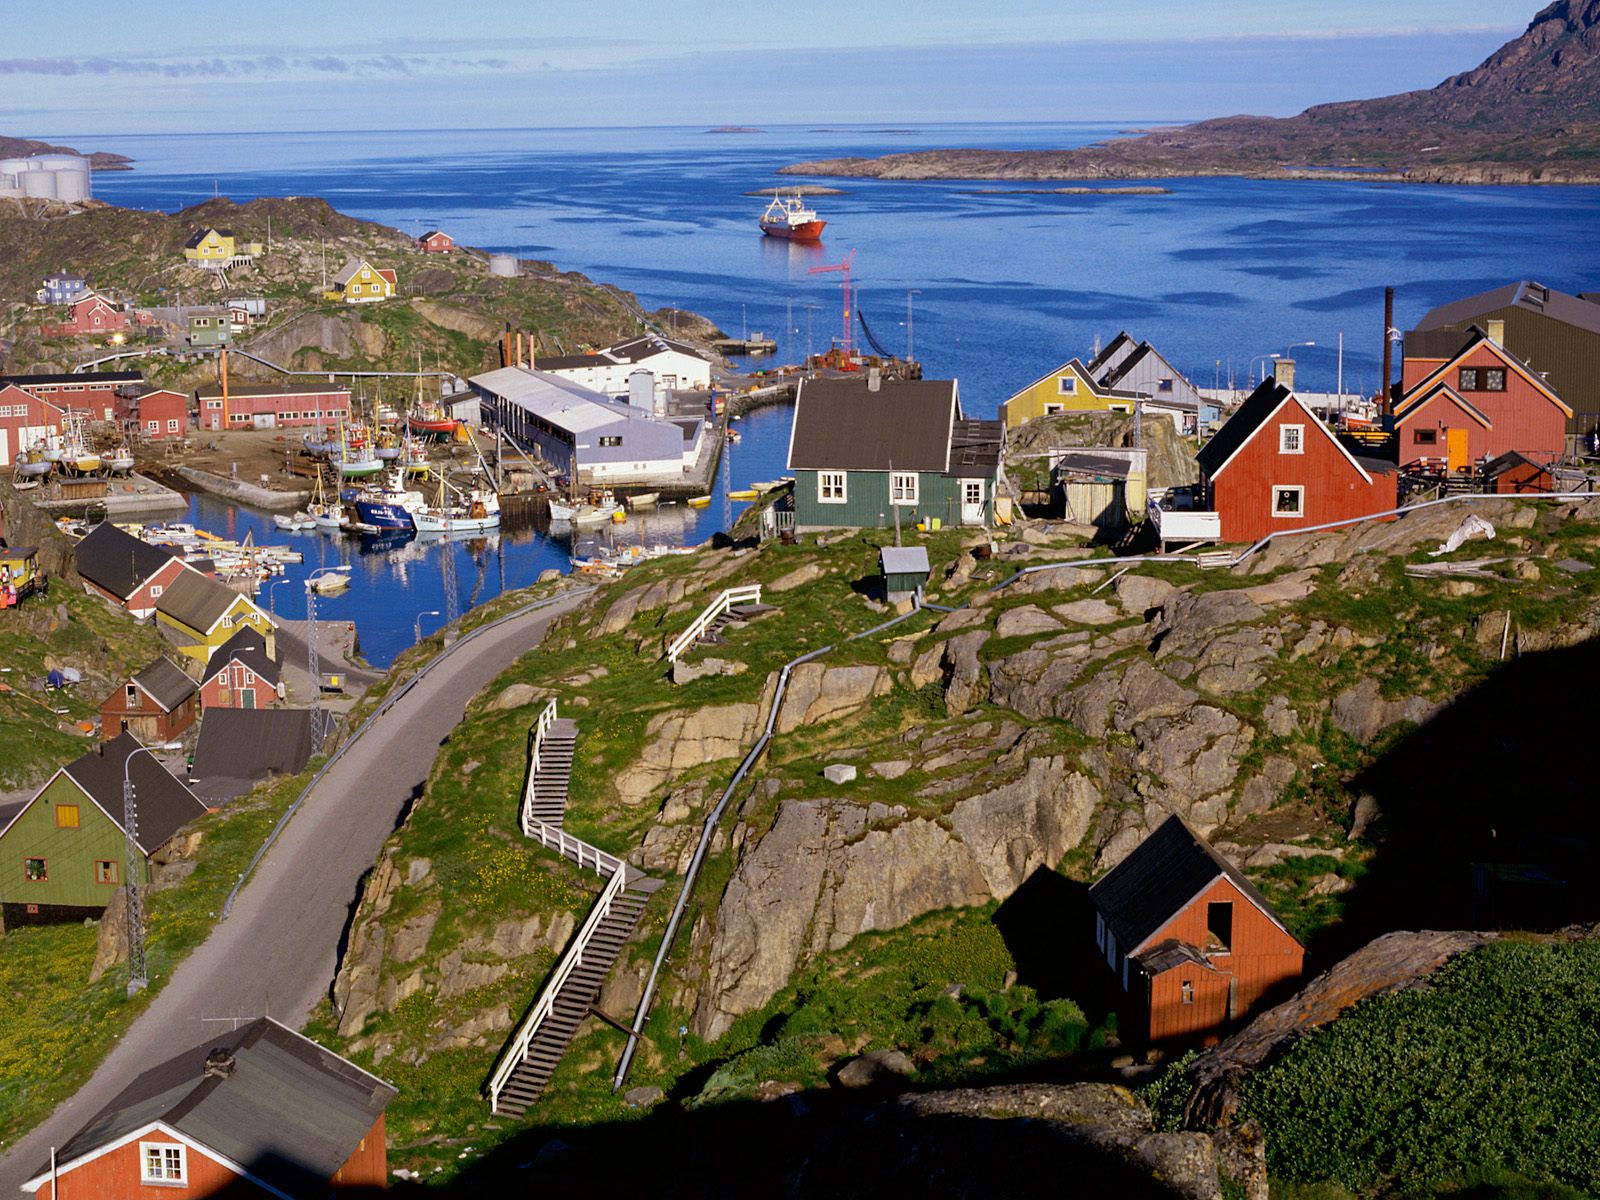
[(479, 513), (119, 461), (595, 514), (34, 464), (299, 522), (327, 518), (562, 512), (331, 581), (643, 500)]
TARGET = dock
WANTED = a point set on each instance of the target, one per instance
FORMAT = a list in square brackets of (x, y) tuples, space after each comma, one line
[(758, 343)]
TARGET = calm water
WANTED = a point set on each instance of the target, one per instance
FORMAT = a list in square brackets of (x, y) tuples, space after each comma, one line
[(1216, 273)]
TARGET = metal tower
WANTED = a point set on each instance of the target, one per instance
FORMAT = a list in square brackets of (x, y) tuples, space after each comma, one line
[(137, 976)]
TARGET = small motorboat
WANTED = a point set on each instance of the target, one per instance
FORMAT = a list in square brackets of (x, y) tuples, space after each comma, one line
[(699, 501), (743, 494), (326, 518), (296, 523), (596, 514), (331, 581), (643, 500), (562, 512)]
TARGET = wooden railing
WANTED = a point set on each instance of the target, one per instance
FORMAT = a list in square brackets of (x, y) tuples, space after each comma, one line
[(749, 594), (578, 850), (570, 962), (536, 736)]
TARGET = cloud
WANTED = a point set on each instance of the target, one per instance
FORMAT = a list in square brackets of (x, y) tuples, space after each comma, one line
[(248, 67)]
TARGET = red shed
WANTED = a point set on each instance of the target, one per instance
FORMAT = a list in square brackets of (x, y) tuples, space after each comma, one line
[(436, 241), (1515, 474), (1193, 944), (1275, 466), (156, 705), (1479, 403), (24, 420), (156, 414), (241, 674)]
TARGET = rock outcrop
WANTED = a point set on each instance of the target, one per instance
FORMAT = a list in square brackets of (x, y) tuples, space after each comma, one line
[(676, 742)]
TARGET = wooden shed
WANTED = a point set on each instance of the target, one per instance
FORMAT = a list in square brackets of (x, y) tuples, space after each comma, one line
[(1102, 487), (905, 571), (1516, 474), (1194, 946), (155, 705)]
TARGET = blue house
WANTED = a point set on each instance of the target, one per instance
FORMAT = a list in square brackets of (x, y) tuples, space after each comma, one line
[(1139, 367), (62, 288)]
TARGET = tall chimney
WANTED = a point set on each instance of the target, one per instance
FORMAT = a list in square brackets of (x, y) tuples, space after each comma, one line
[(1388, 349), (1284, 371), (1496, 330)]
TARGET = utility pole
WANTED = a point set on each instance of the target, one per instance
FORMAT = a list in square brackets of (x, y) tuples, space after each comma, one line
[(910, 352), (324, 264), (137, 975), (314, 666)]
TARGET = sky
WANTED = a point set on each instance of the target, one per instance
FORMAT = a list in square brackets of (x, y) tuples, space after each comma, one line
[(179, 66)]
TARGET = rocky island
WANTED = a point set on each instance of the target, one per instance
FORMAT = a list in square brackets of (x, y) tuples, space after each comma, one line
[(1530, 113)]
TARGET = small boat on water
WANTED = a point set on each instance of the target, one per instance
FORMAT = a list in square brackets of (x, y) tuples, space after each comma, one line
[(743, 494), (699, 501), (733, 437), (595, 514), (562, 512), (788, 217), (331, 581), (387, 506), (477, 512), (643, 500), (297, 522)]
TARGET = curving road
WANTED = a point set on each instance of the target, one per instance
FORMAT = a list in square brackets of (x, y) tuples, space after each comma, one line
[(276, 953)]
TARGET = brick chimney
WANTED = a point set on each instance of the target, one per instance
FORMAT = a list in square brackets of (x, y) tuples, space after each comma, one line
[(1496, 329), (1283, 369)]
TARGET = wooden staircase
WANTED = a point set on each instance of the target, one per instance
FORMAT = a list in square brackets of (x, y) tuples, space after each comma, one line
[(594, 953), (731, 605), (549, 783), (711, 635)]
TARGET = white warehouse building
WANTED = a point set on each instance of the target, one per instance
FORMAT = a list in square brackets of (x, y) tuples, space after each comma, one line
[(46, 177), (677, 366)]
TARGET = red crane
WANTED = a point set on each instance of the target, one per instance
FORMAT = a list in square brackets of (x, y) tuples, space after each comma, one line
[(844, 267)]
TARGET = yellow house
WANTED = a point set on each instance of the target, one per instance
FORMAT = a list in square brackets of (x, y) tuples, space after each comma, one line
[(361, 283), (1069, 388), (216, 248), (204, 614)]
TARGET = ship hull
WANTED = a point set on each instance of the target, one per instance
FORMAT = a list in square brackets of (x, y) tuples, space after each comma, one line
[(811, 231), (431, 425), (384, 516)]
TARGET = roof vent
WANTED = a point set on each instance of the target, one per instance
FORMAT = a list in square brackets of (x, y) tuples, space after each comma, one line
[(220, 1064)]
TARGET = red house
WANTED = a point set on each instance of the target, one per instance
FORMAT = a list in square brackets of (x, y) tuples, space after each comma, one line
[(24, 420), (241, 674), (262, 1112), (436, 241), (126, 570), (155, 414), (93, 392), (253, 407), (1274, 466), (155, 705), (92, 314), (1194, 946), (1474, 402)]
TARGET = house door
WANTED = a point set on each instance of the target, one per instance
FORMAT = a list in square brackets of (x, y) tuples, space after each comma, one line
[(972, 502), (1457, 442), (247, 697)]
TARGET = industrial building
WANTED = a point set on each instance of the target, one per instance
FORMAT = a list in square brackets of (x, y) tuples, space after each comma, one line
[(46, 177), (675, 366), (584, 434)]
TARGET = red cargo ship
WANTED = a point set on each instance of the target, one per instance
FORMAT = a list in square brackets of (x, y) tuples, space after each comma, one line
[(788, 217)]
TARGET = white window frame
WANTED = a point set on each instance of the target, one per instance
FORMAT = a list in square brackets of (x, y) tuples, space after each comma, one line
[(1299, 432), (1272, 501), (165, 1153), (966, 491), (908, 485), (172, 425), (1067, 385), (833, 481), (154, 426), (1050, 409)]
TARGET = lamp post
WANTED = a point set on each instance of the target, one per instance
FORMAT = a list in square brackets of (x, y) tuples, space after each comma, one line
[(910, 355), (416, 626), (272, 594), (312, 663), (1261, 358), (137, 975)]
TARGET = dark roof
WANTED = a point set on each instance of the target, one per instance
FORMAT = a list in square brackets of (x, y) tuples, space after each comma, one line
[(83, 377), (975, 445), (1093, 462), (1527, 295), (20, 552), (1510, 460), (1165, 872), (1242, 425), (116, 560), (649, 345), (165, 680), (290, 1112), (1124, 338), (165, 804), (1376, 466), (196, 600), (840, 424), (568, 362), (252, 743), (1116, 374), (199, 236), (1434, 343), (250, 648), (432, 233), (212, 391)]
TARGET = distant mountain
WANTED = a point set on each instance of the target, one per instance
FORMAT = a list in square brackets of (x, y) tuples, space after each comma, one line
[(1530, 113), (13, 147)]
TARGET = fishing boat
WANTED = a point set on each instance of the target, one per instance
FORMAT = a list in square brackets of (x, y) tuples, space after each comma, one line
[(698, 501), (119, 461), (429, 419), (388, 506), (389, 448), (320, 446), (476, 512), (324, 516), (595, 514), (33, 465), (788, 217), (643, 500), (562, 512)]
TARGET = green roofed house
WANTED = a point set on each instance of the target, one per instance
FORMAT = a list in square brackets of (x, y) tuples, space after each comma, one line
[(863, 449), (63, 853)]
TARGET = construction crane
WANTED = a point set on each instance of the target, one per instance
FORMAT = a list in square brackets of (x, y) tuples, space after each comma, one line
[(844, 267)]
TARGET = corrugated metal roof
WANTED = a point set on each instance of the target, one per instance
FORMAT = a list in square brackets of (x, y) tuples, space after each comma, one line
[(165, 804), (563, 403), (1525, 294), (840, 424), (252, 743), (196, 601), (166, 683), (904, 560)]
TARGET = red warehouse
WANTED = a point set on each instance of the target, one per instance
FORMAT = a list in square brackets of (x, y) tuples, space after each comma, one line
[(1194, 946), (256, 1111), (24, 420), (1274, 466), (92, 392), (126, 570), (436, 241), (1475, 402), (91, 314), (241, 674), (155, 415), (271, 407)]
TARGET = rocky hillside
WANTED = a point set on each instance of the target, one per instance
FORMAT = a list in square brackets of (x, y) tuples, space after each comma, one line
[(449, 309), (1530, 113), (1006, 753)]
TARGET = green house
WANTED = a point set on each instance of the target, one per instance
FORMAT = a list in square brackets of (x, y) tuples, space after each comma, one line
[(864, 450), (63, 852), (209, 326)]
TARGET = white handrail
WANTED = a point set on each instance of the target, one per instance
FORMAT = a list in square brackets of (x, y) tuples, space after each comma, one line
[(578, 850), (570, 962), (536, 737), (748, 594)]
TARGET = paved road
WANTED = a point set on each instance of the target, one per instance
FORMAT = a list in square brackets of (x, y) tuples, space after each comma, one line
[(276, 953)]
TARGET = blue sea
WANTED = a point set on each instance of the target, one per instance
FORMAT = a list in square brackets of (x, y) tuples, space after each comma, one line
[(993, 289)]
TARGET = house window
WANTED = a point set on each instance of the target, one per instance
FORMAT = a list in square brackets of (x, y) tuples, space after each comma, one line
[(1288, 500), (36, 870), (902, 488), (1494, 379), (1050, 409), (611, 441), (155, 591), (161, 1162), (1425, 437), (972, 492), (1118, 408), (1291, 439), (130, 696), (1219, 923), (153, 426), (172, 425), (105, 870), (1067, 385), (1187, 989), (830, 487), (213, 403), (67, 816), (1468, 379), (1163, 385), (227, 622)]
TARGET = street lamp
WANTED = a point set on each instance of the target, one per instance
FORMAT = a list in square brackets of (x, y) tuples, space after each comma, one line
[(137, 975), (272, 594), (1261, 358), (910, 356), (416, 626), (1289, 353)]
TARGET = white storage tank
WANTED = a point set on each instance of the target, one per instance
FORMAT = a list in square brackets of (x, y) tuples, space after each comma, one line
[(60, 162), (41, 184), (72, 183), (642, 390), (504, 265)]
